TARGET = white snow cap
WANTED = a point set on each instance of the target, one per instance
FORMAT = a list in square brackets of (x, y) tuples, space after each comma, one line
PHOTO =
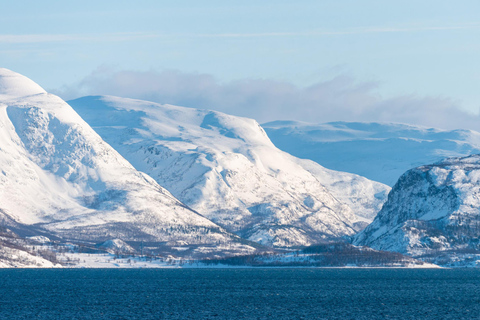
[(14, 85)]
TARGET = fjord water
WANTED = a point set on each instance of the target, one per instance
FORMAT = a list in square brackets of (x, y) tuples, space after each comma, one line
[(240, 294)]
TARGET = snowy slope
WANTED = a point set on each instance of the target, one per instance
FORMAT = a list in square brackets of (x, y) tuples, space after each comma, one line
[(379, 151), (432, 210), (227, 168), (59, 176), (16, 252), (11, 257)]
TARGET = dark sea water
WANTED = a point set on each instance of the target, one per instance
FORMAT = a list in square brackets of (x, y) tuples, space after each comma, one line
[(239, 294)]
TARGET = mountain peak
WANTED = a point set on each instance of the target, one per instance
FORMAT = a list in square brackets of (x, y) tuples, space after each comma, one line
[(58, 173), (227, 168), (14, 85)]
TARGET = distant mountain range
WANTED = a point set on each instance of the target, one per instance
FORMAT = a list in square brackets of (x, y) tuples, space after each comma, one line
[(378, 151)]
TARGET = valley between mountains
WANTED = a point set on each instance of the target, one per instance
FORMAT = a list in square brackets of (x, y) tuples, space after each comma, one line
[(104, 181)]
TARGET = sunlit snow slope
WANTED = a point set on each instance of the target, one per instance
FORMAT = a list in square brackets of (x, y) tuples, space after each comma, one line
[(227, 168), (59, 176), (378, 151)]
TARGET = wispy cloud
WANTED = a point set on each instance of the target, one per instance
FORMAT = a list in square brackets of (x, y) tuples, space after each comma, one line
[(47, 38), (340, 98), (41, 38), (366, 30)]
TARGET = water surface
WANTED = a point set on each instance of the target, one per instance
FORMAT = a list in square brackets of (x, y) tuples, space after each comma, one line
[(239, 294)]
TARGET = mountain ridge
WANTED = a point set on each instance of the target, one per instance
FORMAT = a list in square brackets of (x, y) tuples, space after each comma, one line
[(203, 156)]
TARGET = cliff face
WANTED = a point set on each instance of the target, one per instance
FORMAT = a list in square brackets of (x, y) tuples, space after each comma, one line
[(432, 210)]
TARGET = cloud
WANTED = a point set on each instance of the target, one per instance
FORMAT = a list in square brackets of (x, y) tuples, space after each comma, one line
[(49, 38), (341, 98), (353, 31)]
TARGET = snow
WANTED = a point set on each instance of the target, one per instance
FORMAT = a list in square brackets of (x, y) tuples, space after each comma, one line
[(115, 246), (226, 168), (109, 260), (14, 85), (58, 173), (39, 239), (16, 258), (378, 151), (432, 211)]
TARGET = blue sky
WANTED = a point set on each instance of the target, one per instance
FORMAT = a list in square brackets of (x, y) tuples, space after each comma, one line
[(420, 50)]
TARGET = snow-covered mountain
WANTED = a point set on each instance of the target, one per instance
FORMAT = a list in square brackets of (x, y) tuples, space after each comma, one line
[(432, 211), (379, 151), (59, 177), (227, 168)]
